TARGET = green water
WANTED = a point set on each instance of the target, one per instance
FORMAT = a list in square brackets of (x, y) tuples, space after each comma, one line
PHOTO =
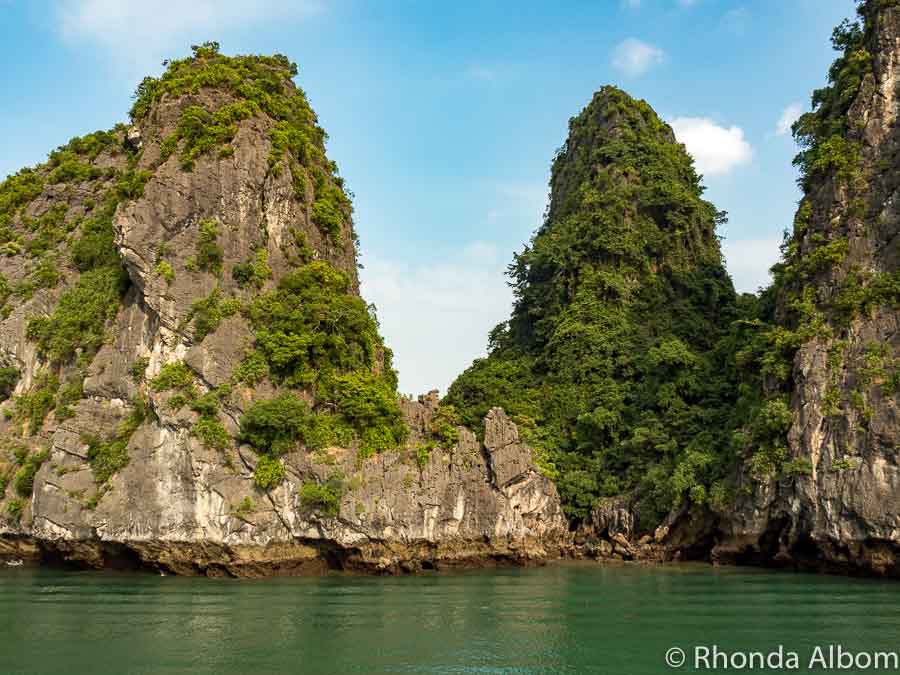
[(570, 618)]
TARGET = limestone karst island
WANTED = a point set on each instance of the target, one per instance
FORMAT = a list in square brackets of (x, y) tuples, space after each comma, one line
[(194, 381)]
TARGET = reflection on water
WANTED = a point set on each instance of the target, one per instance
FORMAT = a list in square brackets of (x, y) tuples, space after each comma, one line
[(568, 618)]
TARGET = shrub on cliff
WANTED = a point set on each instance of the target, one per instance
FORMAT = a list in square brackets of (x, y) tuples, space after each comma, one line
[(107, 456), (276, 425), (314, 333), (14, 509), (370, 406), (209, 252), (313, 325), (255, 272), (9, 377), (268, 473), (324, 498), (24, 478)]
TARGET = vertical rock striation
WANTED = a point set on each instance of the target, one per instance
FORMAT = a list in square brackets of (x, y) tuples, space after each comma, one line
[(836, 296)]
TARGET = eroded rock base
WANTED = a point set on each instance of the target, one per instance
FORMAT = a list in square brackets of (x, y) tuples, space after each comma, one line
[(310, 557)]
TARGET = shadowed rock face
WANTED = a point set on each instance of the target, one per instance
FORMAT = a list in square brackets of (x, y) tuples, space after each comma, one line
[(181, 506), (843, 513)]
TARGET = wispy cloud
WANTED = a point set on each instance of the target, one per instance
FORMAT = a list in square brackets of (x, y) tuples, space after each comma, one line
[(482, 72), (749, 260), (631, 4), (137, 32), (436, 318), (687, 3), (524, 198), (735, 20), (716, 149), (633, 58), (788, 116)]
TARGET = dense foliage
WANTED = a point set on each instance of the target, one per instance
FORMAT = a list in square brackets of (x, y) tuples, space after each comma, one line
[(313, 333), (268, 472), (628, 361), (614, 361), (313, 326), (9, 377), (29, 463)]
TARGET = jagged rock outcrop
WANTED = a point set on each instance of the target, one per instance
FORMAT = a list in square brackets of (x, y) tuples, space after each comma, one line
[(122, 439), (178, 507), (837, 289)]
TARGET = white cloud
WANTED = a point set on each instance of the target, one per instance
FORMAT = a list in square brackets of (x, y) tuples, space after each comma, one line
[(483, 73), (716, 150), (735, 20), (524, 198), (633, 57), (787, 119), (631, 4), (436, 318), (749, 260), (138, 32)]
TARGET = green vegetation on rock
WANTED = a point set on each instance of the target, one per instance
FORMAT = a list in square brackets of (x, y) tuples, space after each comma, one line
[(323, 498), (207, 313), (9, 377), (209, 252), (616, 350), (77, 324), (29, 465), (200, 131), (268, 473), (313, 333), (14, 509), (313, 326), (34, 406), (178, 378), (79, 320), (260, 85), (255, 272), (108, 456)]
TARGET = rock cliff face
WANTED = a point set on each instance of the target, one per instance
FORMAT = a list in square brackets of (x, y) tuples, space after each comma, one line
[(837, 290), (159, 282), (178, 507), (191, 382)]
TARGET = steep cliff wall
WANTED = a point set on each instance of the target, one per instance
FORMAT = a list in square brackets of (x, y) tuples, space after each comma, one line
[(191, 379), (830, 497)]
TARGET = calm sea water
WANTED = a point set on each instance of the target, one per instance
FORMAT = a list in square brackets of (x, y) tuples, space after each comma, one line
[(569, 618)]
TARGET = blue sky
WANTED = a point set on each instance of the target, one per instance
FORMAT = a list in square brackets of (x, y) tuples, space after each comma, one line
[(444, 118)]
